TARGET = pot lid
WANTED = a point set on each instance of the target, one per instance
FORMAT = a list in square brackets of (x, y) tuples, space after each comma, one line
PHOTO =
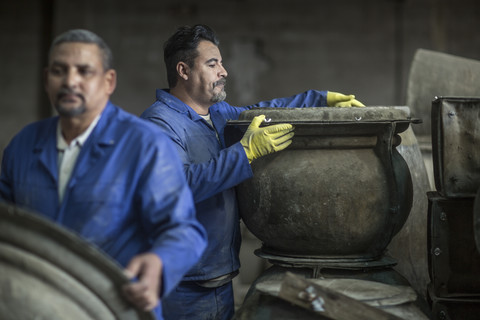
[(48, 272), (330, 114)]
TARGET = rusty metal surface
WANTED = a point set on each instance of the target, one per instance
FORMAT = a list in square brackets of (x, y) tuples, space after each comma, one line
[(463, 308), (47, 272), (341, 190), (367, 114), (476, 220), (260, 304), (453, 309), (455, 145), (373, 293), (431, 74), (454, 261), (409, 246), (434, 74)]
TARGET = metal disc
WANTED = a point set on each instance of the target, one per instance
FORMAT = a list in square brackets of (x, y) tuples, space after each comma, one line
[(48, 272)]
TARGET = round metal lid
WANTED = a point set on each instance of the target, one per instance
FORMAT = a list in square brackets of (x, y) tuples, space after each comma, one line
[(365, 114), (48, 272)]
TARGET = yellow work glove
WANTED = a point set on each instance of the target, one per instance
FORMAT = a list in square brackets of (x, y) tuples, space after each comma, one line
[(336, 99), (258, 141)]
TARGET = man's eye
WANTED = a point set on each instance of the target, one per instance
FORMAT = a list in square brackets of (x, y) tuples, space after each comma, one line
[(85, 71), (56, 71)]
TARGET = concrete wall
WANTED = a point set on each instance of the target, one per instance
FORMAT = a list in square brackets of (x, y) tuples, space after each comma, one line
[(270, 48)]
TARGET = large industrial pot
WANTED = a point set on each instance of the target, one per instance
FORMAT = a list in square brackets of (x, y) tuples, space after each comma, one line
[(49, 273), (340, 190)]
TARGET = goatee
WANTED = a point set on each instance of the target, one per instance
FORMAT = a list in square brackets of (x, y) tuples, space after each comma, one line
[(67, 112), (219, 96), (70, 112), (222, 94)]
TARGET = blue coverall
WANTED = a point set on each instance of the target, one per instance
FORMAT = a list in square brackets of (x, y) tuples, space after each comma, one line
[(127, 194), (212, 170)]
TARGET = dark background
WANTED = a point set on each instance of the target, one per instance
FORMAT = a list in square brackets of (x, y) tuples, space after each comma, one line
[(270, 48)]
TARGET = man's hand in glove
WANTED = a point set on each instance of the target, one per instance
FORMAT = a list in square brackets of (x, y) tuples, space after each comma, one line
[(336, 99), (258, 141)]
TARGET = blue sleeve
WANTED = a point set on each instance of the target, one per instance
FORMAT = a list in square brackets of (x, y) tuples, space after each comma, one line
[(224, 171), (218, 173), (229, 168), (309, 98), (169, 213)]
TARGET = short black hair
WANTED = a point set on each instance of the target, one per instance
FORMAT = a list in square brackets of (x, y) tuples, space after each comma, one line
[(182, 46), (85, 36)]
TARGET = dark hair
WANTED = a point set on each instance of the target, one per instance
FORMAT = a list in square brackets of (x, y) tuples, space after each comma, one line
[(182, 46), (85, 36)]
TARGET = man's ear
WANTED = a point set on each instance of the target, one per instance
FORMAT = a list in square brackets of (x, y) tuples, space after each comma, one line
[(183, 70), (111, 79)]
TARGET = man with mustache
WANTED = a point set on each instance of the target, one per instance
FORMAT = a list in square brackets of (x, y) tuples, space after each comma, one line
[(111, 177), (194, 114)]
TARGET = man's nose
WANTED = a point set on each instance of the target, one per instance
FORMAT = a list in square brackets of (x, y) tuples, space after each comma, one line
[(223, 72), (71, 79)]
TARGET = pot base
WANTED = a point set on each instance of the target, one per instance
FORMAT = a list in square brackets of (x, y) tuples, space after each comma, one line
[(340, 262)]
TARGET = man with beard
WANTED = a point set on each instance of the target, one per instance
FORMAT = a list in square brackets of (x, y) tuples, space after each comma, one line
[(194, 114), (109, 176)]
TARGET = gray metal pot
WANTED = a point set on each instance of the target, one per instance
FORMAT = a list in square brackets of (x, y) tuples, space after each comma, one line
[(339, 191)]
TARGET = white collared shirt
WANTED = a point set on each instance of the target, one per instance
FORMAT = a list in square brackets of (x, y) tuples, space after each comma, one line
[(68, 154)]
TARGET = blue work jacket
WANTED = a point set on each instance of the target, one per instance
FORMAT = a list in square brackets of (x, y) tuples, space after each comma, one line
[(213, 170), (127, 193)]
